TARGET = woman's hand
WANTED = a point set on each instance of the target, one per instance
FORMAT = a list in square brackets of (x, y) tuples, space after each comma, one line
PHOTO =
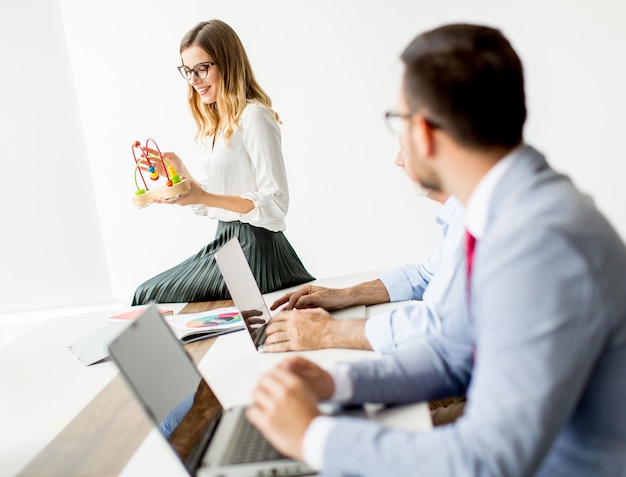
[(169, 158), (195, 196)]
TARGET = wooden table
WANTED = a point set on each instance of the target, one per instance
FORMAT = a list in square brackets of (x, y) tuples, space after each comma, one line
[(109, 435), (113, 421)]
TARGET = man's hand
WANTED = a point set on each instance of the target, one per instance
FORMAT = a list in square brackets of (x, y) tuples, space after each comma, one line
[(283, 407), (301, 330), (317, 378), (298, 330), (310, 296)]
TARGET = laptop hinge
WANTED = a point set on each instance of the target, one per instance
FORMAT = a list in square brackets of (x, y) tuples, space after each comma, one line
[(197, 453)]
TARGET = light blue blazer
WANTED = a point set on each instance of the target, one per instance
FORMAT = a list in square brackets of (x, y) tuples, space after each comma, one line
[(541, 354)]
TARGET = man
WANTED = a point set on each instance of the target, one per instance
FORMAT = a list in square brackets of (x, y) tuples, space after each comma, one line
[(546, 275), (428, 281), (304, 329)]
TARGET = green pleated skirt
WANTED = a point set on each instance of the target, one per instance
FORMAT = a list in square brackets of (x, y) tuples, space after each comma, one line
[(273, 261)]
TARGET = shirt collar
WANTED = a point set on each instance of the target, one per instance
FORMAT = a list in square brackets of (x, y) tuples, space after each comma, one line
[(478, 203), (447, 211)]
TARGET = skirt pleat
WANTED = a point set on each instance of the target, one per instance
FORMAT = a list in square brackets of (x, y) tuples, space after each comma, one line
[(273, 261)]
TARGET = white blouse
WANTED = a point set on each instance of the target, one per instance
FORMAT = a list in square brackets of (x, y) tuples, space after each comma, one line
[(251, 166)]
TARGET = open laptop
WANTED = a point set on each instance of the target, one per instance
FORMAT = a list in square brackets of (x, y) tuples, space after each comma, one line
[(209, 440), (247, 297)]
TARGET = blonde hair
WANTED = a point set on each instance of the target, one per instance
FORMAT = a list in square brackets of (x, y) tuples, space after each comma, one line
[(238, 85)]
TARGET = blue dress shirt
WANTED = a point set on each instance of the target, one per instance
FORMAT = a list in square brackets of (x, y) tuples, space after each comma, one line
[(389, 331)]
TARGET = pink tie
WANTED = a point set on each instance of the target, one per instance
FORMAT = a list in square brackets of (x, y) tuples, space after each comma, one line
[(470, 243)]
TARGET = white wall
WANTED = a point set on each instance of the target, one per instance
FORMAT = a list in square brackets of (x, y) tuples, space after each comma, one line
[(51, 245), (331, 68)]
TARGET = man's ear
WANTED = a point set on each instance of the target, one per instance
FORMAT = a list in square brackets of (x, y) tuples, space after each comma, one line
[(424, 138)]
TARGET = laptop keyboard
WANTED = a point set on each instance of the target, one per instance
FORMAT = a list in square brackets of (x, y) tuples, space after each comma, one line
[(252, 446)]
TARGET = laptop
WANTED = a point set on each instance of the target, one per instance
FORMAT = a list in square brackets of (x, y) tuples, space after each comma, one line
[(209, 439), (247, 297)]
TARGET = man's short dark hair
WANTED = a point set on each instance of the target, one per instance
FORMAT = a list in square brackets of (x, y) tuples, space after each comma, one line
[(469, 80)]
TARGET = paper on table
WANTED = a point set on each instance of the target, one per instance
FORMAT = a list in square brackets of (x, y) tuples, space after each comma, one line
[(190, 327), (94, 347), (133, 314)]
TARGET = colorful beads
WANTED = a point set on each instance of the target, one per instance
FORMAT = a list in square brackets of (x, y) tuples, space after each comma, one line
[(175, 178), (145, 158)]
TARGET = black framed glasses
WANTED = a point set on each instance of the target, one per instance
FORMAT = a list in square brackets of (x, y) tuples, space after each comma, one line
[(201, 70), (394, 121)]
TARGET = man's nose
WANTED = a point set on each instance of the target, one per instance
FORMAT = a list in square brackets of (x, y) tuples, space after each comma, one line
[(400, 160)]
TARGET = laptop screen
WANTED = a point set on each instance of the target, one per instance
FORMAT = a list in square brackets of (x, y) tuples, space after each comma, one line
[(243, 289), (167, 383)]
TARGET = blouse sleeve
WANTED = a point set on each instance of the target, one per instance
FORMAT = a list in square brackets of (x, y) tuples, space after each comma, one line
[(262, 141)]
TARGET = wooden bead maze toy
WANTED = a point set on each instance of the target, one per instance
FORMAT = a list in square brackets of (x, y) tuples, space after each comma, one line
[(174, 186)]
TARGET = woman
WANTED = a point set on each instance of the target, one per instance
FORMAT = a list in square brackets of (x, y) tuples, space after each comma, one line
[(246, 184)]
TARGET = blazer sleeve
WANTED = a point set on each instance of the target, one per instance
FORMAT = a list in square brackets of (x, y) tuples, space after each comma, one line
[(535, 348)]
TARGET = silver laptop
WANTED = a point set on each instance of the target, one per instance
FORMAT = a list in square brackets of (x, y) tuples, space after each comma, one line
[(248, 299), (209, 440), (244, 290)]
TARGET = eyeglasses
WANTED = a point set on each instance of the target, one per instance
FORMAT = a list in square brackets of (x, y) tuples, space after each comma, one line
[(201, 70), (394, 120)]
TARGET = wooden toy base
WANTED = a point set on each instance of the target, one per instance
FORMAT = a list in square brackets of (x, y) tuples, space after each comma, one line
[(163, 193)]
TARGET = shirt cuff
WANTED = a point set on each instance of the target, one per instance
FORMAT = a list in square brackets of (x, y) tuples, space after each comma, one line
[(343, 383), (397, 284), (378, 332), (199, 209), (314, 441)]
